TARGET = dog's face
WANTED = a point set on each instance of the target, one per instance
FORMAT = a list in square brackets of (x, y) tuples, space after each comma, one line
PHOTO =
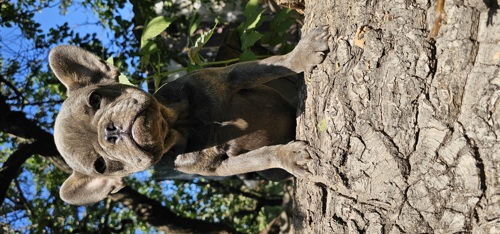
[(110, 130), (105, 130)]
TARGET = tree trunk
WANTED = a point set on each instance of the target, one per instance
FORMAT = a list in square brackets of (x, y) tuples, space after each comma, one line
[(404, 128)]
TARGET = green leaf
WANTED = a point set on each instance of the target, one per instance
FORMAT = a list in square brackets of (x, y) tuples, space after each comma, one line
[(285, 25), (110, 60), (275, 40), (122, 79), (250, 38), (247, 55), (148, 48), (252, 12), (194, 22), (279, 22), (194, 52), (154, 28), (255, 21)]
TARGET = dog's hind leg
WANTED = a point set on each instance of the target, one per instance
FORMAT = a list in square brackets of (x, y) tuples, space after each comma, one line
[(309, 52)]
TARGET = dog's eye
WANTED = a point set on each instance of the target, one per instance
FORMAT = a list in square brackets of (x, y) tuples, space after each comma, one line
[(95, 100), (100, 165)]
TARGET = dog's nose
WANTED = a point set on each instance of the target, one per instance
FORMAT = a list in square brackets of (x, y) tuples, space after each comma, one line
[(111, 133)]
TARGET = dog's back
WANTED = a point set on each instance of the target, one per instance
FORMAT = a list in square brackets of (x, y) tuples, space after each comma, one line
[(228, 122)]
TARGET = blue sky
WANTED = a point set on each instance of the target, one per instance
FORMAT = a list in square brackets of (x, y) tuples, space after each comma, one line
[(80, 19)]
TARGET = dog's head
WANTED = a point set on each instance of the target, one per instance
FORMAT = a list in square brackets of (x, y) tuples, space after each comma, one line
[(104, 130)]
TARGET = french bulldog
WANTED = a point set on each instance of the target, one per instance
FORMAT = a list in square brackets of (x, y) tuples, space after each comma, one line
[(211, 122)]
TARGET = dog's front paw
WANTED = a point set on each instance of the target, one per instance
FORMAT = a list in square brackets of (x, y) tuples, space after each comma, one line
[(294, 158), (311, 49)]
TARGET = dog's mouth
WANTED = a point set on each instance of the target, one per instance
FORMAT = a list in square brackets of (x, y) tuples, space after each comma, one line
[(146, 131), (140, 131), (135, 130)]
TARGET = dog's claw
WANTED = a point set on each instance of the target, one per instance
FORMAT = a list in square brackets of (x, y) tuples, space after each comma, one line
[(311, 49), (296, 159)]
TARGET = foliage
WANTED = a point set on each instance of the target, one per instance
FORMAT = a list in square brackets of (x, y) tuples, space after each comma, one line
[(142, 53), (196, 61), (248, 33)]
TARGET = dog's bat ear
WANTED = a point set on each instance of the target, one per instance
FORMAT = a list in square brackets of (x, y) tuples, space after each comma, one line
[(77, 68), (81, 189)]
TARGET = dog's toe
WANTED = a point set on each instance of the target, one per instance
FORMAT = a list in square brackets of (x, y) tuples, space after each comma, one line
[(296, 159)]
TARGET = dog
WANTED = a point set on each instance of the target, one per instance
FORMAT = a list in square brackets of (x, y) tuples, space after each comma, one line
[(212, 122)]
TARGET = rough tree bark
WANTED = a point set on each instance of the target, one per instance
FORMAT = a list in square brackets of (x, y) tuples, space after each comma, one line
[(404, 128)]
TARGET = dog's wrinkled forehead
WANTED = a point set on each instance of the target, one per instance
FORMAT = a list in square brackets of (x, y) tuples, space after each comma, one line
[(74, 136)]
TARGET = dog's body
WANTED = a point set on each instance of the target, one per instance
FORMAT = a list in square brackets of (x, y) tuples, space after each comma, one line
[(212, 122)]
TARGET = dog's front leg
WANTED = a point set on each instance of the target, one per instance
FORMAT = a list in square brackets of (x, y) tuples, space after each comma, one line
[(309, 52), (292, 157)]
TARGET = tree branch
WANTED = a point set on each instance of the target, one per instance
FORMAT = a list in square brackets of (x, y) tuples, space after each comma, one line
[(11, 86), (261, 199), (23, 200), (16, 124), (162, 218), (12, 167)]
